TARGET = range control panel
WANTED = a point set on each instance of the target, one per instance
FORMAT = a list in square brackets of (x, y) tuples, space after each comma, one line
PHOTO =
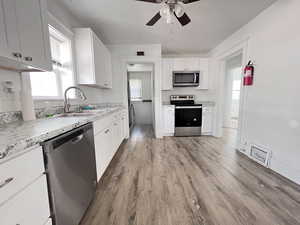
[(182, 97)]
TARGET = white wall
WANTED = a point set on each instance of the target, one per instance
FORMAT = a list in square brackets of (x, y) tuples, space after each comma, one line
[(272, 106), (10, 101), (121, 56)]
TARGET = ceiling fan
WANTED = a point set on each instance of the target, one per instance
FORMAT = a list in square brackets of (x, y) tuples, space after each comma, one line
[(170, 8)]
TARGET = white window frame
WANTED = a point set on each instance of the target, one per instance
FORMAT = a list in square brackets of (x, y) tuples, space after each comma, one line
[(141, 90), (54, 23)]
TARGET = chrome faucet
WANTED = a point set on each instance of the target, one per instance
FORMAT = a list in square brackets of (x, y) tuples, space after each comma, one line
[(66, 101)]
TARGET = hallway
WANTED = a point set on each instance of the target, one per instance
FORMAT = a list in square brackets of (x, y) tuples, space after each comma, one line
[(190, 181)]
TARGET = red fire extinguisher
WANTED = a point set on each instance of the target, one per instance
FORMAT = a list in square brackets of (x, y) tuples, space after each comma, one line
[(249, 74)]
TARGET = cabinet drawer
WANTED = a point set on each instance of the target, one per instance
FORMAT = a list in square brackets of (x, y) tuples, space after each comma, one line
[(29, 207), (103, 123), (17, 173)]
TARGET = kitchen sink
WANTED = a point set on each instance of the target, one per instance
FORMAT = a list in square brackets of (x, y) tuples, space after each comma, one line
[(83, 114)]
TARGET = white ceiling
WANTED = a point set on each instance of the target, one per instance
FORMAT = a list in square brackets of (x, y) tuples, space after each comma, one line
[(123, 22)]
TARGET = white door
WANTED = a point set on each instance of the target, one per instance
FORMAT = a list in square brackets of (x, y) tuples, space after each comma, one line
[(207, 120), (169, 119), (9, 37), (103, 149), (167, 74), (33, 33)]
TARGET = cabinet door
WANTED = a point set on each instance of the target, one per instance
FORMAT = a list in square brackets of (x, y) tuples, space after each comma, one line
[(179, 64), (193, 64), (207, 120), (9, 38), (186, 64), (167, 74), (204, 74), (3, 39), (116, 133), (103, 149), (125, 124), (29, 207), (99, 61), (33, 33), (169, 119), (108, 69)]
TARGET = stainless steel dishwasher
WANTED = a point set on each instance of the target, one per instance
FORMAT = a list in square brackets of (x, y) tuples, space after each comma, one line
[(71, 174)]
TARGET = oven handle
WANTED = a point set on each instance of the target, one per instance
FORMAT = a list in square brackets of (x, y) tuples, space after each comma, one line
[(188, 107)]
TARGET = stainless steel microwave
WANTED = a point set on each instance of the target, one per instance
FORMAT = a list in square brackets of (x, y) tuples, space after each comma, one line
[(186, 78)]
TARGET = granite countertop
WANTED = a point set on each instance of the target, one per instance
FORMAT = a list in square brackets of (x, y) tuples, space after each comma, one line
[(17, 136)]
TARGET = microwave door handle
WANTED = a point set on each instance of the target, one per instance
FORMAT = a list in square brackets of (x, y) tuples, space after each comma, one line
[(195, 78)]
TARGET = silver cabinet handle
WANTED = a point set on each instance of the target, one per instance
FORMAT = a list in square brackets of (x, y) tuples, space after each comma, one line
[(6, 182), (17, 54), (107, 131), (77, 139), (28, 59)]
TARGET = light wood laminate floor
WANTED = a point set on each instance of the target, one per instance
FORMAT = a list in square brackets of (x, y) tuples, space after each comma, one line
[(190, 181)]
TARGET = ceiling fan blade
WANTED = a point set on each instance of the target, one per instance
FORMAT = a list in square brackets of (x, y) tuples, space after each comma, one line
[(151, 1), (154, 19), (183, 20), (189, 1)]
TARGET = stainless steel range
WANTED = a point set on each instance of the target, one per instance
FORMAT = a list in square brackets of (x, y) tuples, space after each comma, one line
[(188, 115)]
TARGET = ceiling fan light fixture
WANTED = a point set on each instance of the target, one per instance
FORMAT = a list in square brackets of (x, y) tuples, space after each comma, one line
[(164, 11), (179, 10)]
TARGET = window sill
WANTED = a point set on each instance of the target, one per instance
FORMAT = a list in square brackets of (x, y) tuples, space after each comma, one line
[(136, 100)]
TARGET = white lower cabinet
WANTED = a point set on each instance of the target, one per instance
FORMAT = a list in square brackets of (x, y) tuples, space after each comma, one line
[(207, 120), (117, 133), (169, 120), (108, 135), (29, 207), (103, 146)]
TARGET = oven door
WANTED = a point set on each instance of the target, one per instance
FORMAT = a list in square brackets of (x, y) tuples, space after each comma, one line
[(188, 120), (186, 79)]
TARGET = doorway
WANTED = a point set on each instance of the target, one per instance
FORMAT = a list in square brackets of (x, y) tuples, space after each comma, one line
[(140, 95), (232, 91)]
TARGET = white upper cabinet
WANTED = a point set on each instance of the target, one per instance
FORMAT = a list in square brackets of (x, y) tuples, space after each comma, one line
[(24, 34), (167, 74), (9, 41), (186, 64), (34, 33), (93, 59)]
